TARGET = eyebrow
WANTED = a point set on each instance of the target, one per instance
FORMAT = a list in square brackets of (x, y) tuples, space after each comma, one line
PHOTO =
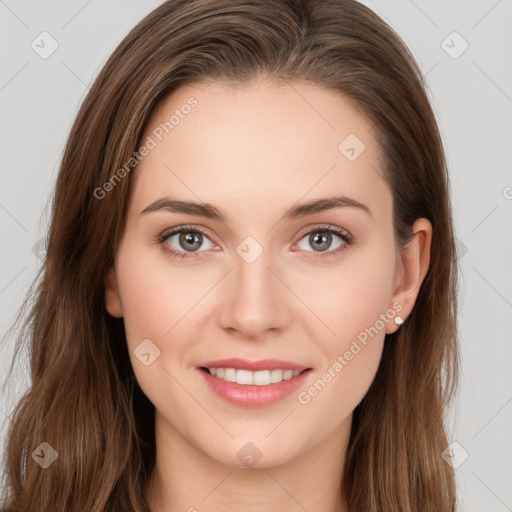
[(297, 211)]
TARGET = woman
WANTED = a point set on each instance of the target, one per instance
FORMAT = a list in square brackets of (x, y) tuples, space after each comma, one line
[(249, 294)]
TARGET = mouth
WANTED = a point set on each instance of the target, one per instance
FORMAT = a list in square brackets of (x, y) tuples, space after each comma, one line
[(258, 387), (256, 378)]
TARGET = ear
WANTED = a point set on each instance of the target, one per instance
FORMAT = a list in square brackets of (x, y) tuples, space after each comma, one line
[(112, 297), (414, 260)]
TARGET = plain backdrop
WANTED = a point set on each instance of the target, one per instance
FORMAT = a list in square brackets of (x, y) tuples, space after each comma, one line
[(464, 50)]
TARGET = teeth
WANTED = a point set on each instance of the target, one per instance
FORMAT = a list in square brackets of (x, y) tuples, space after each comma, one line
[(261, 378), (247, 377), (276, 376), (243, 376), (230, 374)]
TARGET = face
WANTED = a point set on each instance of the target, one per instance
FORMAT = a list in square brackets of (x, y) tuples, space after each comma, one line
[(261, 276)]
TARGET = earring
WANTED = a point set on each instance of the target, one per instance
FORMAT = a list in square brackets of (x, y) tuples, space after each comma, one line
[(399, 320)]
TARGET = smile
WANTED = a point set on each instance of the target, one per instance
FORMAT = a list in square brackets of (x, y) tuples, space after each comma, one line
[(263, 385), (248, 377)]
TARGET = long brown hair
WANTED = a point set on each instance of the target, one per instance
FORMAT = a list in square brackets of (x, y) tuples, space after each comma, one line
[(84, 399)]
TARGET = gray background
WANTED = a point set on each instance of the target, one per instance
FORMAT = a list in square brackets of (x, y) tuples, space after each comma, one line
[(471, 92)]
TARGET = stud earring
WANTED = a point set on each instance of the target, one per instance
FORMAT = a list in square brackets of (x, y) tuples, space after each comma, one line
[(399, 320)]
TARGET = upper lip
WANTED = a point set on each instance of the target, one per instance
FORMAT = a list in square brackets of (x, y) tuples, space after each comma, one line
[(261, 364)]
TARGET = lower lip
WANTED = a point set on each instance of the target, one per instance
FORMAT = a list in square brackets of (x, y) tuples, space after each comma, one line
[(250, 395)]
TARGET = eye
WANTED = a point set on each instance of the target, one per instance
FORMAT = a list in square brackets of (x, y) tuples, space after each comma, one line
[(184, 241), (325, 239)]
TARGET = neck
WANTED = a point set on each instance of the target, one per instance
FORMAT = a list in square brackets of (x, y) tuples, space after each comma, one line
[(187, 479)]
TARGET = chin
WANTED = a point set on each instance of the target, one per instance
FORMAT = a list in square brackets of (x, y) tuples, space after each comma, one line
[(247, 454)]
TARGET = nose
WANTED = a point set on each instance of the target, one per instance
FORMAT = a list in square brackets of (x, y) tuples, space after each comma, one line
[(254, 301)]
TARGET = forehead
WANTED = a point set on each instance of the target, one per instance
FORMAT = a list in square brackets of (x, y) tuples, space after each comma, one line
[(265, 141)]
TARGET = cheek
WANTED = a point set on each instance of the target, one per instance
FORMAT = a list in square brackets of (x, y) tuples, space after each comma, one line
[(155, 295), (165, 304), (155, 305), (151, 307), (352, 297), (146, 310), (354, 304)]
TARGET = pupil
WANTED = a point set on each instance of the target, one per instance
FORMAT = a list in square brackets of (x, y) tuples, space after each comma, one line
[(322, 238), (190, 239)]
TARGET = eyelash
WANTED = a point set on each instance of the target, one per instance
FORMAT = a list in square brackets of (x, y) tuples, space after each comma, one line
[(192, 229)]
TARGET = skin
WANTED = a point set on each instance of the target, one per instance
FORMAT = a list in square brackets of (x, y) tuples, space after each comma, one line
[(253, 152)]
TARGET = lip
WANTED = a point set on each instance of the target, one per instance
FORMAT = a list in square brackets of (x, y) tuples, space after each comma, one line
[(261, 364), (252, 396)]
